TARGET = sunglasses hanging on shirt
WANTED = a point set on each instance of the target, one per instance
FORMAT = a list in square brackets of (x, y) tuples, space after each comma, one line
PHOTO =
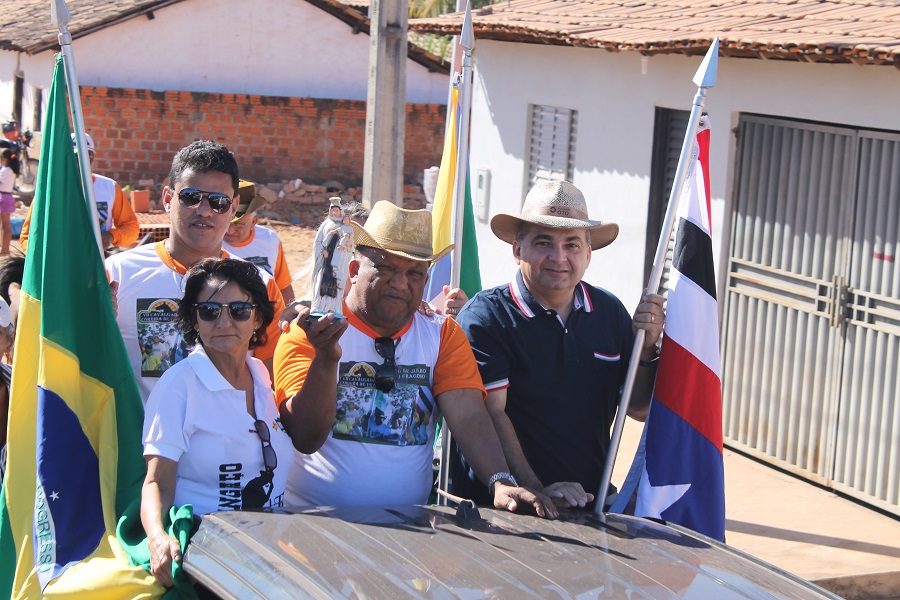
[(259, 489), (386, 372)]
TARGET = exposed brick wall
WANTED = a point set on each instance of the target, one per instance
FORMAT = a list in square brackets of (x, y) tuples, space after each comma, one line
[(137, 132)]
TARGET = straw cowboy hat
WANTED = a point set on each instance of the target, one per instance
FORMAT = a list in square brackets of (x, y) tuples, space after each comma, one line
[(556, 204), (406, 233), (249, 202)]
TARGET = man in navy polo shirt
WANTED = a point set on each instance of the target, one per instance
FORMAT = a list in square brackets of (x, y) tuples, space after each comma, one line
[(553, 351)]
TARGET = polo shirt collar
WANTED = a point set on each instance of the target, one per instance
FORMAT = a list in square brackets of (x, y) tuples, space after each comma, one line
[(529, 306), (210, 377)]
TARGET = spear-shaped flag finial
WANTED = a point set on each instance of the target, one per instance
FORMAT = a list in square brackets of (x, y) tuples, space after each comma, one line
[(467, 35), (59, 13), (705, 76)]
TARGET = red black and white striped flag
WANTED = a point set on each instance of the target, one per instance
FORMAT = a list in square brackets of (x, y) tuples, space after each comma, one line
[(678, 470)]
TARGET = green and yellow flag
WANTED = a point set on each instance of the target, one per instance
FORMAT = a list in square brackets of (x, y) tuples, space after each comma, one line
[(74, 437), (442, 216)]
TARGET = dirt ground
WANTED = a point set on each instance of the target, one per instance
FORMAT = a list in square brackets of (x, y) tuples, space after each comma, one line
[(297, 241)]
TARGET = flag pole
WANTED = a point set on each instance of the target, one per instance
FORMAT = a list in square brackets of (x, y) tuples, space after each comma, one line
[(704, 78), (60, 17), (467, 43)]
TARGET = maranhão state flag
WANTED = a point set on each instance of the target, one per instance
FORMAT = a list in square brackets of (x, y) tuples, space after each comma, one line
[(678, 469), (75, 415)]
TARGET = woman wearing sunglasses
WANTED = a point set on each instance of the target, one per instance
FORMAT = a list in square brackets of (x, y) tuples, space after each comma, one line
[(212, 435)]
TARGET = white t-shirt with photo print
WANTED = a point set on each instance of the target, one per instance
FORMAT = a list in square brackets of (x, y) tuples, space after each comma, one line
[(151, 283)]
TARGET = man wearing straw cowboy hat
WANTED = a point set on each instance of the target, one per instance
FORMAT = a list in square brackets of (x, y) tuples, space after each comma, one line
[(553, 351), (360, 395)]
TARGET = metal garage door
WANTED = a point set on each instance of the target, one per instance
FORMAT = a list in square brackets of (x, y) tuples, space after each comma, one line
[(811, 339)]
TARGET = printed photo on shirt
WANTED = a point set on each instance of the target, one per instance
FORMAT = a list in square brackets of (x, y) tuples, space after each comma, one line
[(102, 214), (261, 262), (402, 417), (160, 340)]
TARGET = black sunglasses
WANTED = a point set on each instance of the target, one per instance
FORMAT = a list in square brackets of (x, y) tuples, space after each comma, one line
[(386, 372), (210, 311), (270, 460), (190, 198), (259, 489)]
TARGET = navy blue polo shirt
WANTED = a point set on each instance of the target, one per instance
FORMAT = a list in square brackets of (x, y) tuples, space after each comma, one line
[(563, 380)]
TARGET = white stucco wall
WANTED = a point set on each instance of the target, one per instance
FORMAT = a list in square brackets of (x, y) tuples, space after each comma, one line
[(614, 138), (37, 71), (7, 69), (267, 47)]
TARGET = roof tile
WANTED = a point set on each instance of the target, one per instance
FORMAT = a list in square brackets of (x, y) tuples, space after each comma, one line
[(860, 31)]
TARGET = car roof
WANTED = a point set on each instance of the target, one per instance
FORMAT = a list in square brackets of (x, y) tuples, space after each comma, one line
[(430, 551)]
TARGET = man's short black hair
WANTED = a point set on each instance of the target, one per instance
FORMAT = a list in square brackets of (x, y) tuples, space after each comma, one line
[(203, 156)]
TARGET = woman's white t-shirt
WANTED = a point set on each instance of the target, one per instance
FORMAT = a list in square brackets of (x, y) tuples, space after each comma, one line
[(7, 179)]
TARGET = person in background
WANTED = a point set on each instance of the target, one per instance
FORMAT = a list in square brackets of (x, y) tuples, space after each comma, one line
[(7, 340), (381, 364), (260, 245), (9, 170), (118, 224), (553, 351), (212, 434), (200, 200), (12, 269)]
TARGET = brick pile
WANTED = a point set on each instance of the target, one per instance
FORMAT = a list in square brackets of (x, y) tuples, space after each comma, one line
[(294, 201)]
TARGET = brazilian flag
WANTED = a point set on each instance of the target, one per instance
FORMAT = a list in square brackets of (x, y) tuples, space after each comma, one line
[(74, 436)]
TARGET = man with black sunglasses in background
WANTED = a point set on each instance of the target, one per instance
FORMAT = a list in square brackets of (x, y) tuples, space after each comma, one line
[(201, 200), (360, 395)]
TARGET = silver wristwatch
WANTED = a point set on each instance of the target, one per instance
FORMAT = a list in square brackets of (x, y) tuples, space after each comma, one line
[(497, 477)]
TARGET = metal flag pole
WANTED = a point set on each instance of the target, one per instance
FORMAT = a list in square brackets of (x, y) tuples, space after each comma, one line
[(467, 43), (704, 78), (60, 17)]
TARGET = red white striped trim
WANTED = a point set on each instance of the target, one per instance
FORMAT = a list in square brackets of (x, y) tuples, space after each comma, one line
[(497, 385), (519, 299), (608, 357), (588, 305)]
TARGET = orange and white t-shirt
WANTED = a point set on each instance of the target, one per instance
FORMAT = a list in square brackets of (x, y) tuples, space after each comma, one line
[(263, 248), (380, 447), (151, 283), (113, 209)]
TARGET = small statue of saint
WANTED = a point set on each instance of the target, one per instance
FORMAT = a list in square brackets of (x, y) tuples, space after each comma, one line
[(333, 250)]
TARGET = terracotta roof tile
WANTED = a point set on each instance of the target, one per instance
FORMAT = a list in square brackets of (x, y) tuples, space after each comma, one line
[(25, 24), (860, 31)]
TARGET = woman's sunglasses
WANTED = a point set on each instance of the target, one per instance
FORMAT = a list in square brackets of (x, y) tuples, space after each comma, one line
[(191, 198), (258, 491), (210, 311), (270, 459)]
